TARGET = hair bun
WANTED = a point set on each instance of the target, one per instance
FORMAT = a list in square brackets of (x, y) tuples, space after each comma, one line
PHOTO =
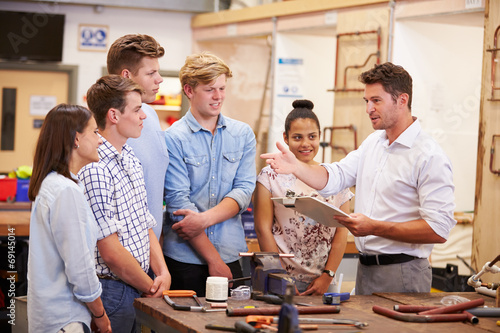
[(303, 104)]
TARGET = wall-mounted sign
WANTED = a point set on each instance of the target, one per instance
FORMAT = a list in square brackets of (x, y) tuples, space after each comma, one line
[(37, 123), (41, 105), (93, 37), (470, 4), (290, 77)]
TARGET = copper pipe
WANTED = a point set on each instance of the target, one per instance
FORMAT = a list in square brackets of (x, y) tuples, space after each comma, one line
[(356, 33), (269, 311), (414, 318), (340, 148), (471, 318), (377, 54), (490, 285), (420, 308), (494, 261), (492, 154), (330, 143), (412, 308), (455, 307), (493, 65)]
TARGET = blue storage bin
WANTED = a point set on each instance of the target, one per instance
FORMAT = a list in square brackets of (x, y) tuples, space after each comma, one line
[(22, 190)]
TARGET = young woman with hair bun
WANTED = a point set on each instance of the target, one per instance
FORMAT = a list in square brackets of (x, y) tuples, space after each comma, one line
[(318, 249)]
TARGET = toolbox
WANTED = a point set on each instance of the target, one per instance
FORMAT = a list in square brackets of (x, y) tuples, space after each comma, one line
[(448, 280)]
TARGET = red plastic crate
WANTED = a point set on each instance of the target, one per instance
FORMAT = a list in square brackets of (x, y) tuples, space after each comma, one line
[(8, 188)]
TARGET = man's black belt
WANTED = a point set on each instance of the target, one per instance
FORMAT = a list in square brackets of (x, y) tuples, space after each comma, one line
[(385, 259)]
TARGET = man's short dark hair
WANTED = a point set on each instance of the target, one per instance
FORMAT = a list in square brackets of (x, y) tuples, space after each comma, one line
[(109, 92), (127, 52), (394, 79)]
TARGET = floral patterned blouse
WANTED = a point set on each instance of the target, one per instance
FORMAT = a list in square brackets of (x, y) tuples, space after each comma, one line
[(295, 233)]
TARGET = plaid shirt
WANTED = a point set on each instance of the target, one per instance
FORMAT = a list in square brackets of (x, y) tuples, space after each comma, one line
[(115, 190)]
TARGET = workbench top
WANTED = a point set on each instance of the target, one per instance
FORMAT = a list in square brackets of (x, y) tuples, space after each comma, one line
[(15, 222), (156, 313)]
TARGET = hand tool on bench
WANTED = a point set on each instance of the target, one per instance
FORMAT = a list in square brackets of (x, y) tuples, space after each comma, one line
[(245, 278), (269, 311), (257, 321), (182, 293), (335, 298), (186, 293), (239, 326), (289, 315), (274, 299)]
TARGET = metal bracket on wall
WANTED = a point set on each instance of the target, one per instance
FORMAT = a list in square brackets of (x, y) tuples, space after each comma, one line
[(374, 54), (492, 154), (494, 63)]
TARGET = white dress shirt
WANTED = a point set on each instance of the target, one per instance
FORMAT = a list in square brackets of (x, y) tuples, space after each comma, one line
[(408, 180)]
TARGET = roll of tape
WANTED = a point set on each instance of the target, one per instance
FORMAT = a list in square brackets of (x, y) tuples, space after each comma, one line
[(216, 289)]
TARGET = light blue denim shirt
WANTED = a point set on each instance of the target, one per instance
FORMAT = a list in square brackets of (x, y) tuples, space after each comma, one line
[(203, 170), (61, 268), (151, 150)]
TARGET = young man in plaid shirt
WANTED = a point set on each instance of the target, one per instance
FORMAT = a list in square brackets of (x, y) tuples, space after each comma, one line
[(114, 187)]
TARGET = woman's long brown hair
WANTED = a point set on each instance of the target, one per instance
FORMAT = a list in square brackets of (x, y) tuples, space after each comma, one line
[(56, 143)]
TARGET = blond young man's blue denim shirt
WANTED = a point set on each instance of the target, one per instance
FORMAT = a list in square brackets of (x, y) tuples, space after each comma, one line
[(204, 169)]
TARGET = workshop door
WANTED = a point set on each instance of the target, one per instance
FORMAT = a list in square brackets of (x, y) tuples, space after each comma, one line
[(19, 128)]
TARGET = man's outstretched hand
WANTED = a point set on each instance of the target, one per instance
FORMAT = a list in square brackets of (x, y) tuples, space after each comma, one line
[(283, 162)]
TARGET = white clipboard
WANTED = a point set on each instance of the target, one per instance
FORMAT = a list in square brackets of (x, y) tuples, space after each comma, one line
[(313, 208)]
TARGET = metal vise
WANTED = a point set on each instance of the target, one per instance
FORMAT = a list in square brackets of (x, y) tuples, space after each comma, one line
[(268, 276)]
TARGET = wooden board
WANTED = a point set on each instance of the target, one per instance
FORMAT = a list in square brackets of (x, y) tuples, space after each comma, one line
[(485, 245), (16, 223), (275, 9)]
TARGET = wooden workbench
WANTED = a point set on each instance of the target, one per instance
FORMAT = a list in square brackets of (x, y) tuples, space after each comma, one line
[(15, 217), (159, 316)]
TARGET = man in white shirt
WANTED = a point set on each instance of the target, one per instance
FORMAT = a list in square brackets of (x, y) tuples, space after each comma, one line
[(404, 188)]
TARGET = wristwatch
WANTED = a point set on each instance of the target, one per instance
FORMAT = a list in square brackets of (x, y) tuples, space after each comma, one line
[(329, 272)]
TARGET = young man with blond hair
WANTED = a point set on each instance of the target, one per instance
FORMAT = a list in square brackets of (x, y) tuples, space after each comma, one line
[(127, 246), (209, 181)]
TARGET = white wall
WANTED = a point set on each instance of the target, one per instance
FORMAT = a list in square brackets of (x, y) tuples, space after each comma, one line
[(318, 54), (171, 30), (445, 62)]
